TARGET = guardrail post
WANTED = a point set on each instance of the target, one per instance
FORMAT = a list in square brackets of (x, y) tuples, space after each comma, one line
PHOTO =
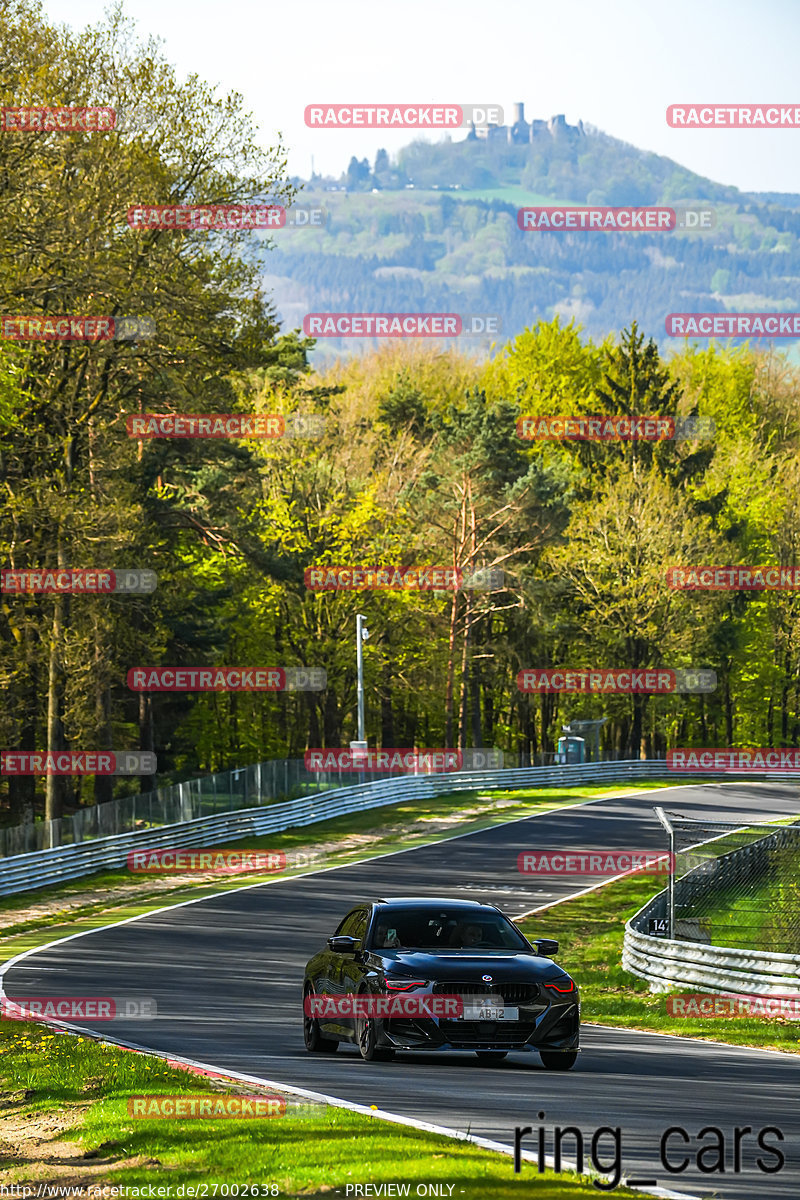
[(54, 833)]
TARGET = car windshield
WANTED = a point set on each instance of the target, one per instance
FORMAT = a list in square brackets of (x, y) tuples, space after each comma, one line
[(444, 929)]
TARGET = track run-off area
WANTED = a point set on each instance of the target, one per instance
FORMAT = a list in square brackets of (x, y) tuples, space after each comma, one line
[(226, 974)]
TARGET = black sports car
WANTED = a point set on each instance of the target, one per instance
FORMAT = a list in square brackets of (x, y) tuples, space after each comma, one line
[(392, 963)]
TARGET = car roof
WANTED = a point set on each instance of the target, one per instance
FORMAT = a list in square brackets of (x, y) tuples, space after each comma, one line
[(434, 901)]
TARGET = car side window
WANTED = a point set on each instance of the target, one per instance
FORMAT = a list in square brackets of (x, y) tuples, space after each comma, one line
[(362, 920), (353, 923)]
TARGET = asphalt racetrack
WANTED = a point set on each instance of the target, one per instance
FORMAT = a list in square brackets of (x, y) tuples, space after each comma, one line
[(226, 974)]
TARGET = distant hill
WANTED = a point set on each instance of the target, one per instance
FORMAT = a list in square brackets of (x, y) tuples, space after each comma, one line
[(437, 231)]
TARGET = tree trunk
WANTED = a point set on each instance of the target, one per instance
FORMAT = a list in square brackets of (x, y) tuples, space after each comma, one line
[(387, 712), (147, 783), (451, 670), (22, 788), (728, 706), (54, 792), (465, 675), (103, 784)]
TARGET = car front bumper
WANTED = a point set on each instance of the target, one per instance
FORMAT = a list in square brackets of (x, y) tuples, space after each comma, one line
[(557, 1028)]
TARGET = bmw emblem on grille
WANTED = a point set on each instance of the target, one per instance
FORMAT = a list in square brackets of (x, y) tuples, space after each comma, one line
[(486, 978)]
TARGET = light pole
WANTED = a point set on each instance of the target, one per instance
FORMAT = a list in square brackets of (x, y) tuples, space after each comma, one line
[(362, 633)]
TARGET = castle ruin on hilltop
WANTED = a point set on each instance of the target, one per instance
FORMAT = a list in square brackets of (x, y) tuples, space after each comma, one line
[(522, 132)]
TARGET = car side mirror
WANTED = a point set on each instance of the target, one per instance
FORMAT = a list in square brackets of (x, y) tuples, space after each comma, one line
[(545, 946), (343, 944)]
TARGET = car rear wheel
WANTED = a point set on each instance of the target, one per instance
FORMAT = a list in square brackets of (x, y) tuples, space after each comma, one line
[(491, 1056), (315, 1042), (558, 1060)]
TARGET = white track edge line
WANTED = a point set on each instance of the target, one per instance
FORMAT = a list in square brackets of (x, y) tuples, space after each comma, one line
[(352, 1106)]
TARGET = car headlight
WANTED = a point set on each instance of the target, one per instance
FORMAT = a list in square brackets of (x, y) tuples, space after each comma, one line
[(563, 988), (404, 985)]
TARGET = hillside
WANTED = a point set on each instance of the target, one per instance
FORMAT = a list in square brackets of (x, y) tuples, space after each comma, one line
[(437, 231)]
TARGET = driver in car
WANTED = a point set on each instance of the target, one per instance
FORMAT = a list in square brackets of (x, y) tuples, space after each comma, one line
[(386, 938), (466, 936)]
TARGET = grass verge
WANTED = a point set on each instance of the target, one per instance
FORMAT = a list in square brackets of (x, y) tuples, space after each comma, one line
[(80, 1088)]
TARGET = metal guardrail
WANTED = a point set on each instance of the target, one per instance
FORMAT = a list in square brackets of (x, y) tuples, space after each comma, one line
[(670, 963), (208, 796), (228, 791), (23, 872)]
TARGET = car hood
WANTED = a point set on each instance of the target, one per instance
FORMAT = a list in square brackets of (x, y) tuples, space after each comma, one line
[(458, 964)]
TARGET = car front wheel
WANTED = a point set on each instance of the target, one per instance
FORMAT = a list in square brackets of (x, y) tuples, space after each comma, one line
[(315, 1042), (558, 1060), (367, 1040)]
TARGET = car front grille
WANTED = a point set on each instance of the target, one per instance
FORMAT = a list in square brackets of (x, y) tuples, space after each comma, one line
[(513, 994)]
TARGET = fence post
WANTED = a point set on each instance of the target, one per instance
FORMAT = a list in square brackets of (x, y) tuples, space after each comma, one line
[(665, 821)]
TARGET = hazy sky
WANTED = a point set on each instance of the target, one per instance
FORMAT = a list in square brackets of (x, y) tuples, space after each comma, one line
[(616, 65)]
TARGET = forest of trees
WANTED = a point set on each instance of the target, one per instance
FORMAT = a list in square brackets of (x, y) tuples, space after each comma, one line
[(411, 251), (420, 462)]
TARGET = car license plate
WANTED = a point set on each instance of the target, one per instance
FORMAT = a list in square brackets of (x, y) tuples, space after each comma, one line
[(491, 1012)]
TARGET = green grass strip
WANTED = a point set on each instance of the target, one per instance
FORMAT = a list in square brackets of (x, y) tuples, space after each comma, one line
[(88, 1085)]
